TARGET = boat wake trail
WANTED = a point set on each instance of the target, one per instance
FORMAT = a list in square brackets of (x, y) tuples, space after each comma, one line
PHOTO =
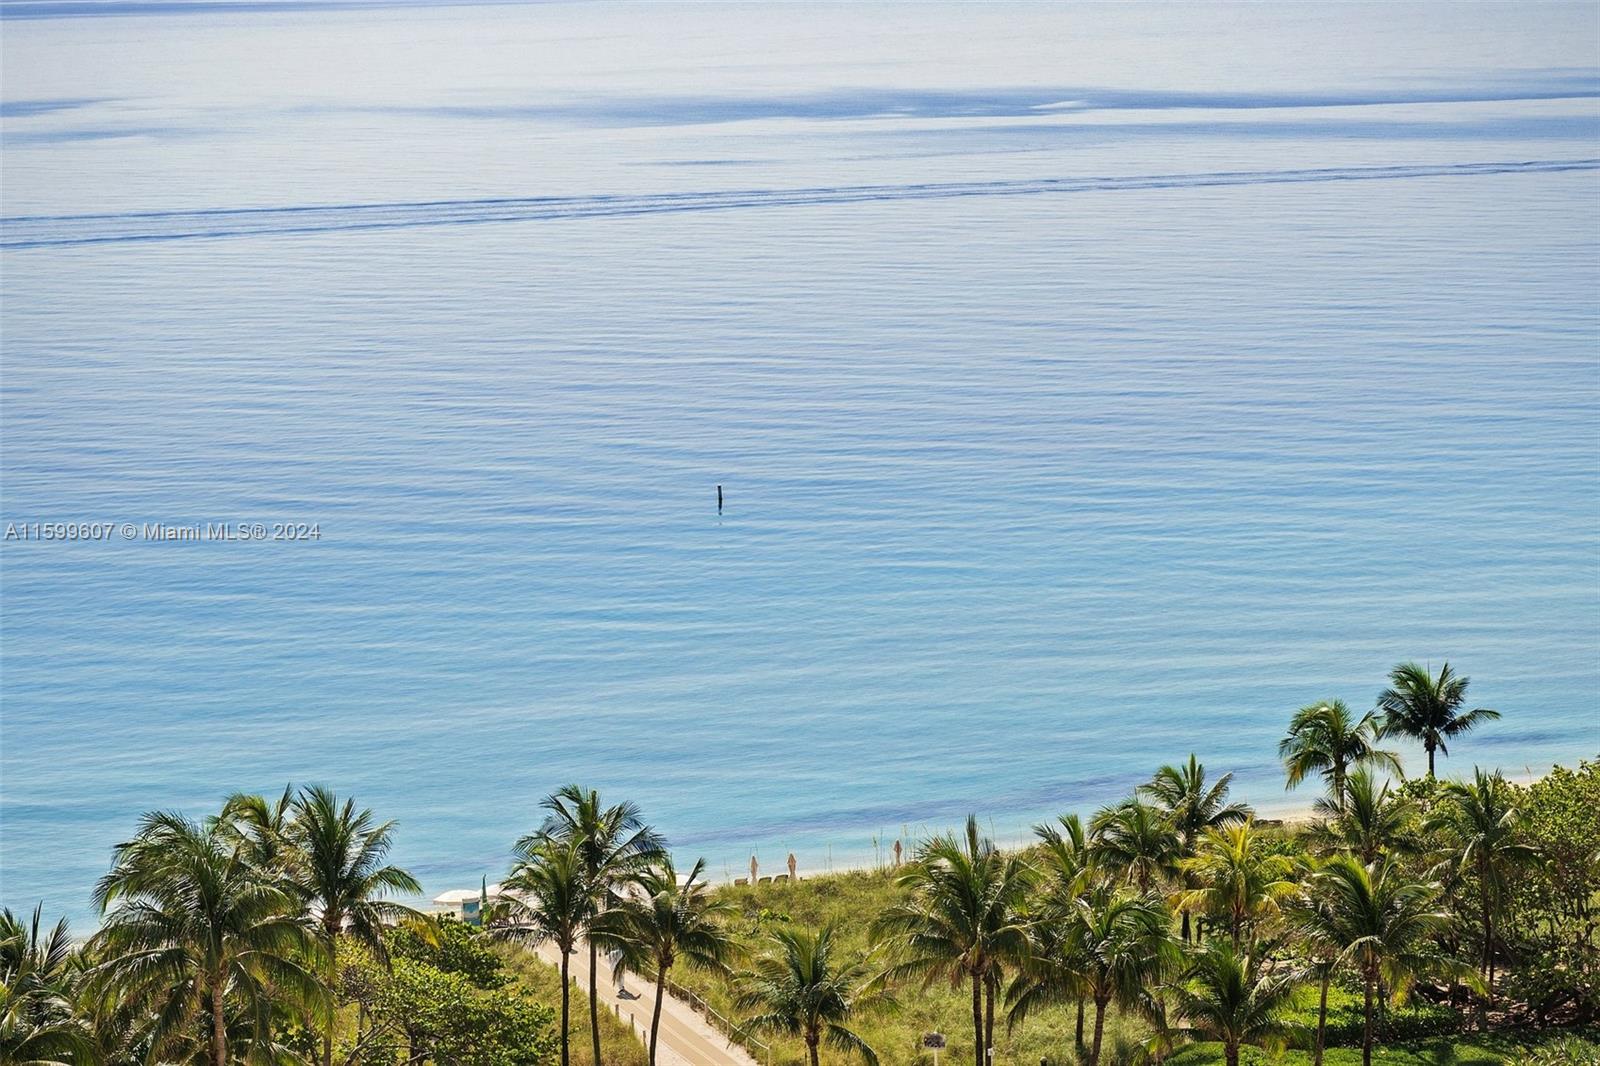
[(45, 231)]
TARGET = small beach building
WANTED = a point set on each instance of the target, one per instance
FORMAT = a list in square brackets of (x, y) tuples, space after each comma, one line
[(466, 903)]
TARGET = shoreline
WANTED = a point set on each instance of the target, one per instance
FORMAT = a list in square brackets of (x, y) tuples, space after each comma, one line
[(1293, 816)]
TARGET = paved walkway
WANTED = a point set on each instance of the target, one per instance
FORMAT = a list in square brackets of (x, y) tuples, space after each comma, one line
[(686, 1038)]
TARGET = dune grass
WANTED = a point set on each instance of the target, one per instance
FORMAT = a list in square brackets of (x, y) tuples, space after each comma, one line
[(852, 900)]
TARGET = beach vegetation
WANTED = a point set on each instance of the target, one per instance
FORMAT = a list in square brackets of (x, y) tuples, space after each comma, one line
[(1405, 920), (804, 986)]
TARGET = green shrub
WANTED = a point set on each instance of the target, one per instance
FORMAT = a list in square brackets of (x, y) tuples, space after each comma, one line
[(453, 947), (1569, 1052), (1415, 1020)]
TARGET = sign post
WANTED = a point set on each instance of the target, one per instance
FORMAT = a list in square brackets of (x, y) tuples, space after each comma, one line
[(934, 1041)]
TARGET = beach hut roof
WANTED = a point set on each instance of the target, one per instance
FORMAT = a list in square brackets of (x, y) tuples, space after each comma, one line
[(465, 895)]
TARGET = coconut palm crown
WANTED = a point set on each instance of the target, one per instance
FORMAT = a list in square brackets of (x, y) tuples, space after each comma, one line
[(1238, 879), (1428, 707), (801, 988), (37, 1024), (198, 934), (1137, 840), (1227, 996), (1373, 820), (1326, 738)]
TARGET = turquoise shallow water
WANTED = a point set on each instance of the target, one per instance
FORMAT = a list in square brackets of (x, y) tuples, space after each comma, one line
[(1088, 385)]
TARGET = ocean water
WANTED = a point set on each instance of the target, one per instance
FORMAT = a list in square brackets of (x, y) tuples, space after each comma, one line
[(1089, 385)]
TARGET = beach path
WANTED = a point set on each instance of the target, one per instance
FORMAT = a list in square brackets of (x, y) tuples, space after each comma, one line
[(686, 1038)]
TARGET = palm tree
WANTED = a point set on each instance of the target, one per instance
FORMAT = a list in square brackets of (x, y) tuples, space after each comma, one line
[(1426, 707), (1181, 793), (121, 1027), (962, 920), (1138, 840), (1068, 856), (1239, 880), (260, 826), (547, 898), (614, 843), (799, 989), (1226, 996), (1051, 972), (1381, 922), (1314, 924), (1370, 822), (1054, 971), (38, 1026), (1122, 940), (193, 929), (665, 921), (1479, 819), (337, 860), (1325, 738)]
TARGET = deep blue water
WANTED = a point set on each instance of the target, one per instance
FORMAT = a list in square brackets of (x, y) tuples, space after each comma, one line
[(1089, 385)]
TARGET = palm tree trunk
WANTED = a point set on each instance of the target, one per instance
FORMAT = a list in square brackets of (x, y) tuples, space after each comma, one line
[(594, 1008), (988, 1014), (1492, 964), (977, 1019), (1078, 1045), (332, 928), (1429, 745), (1322, 1018), (1488, 947), (1099, 1030), (1488, 940), (1186, 926), (812, 1040), (219, 1023), (1488, 964), (566, 995), (1366, 1028), (1230, 1052), (655, 1015)]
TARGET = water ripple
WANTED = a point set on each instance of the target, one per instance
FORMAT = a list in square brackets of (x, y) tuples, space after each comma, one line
[(42, 231)]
